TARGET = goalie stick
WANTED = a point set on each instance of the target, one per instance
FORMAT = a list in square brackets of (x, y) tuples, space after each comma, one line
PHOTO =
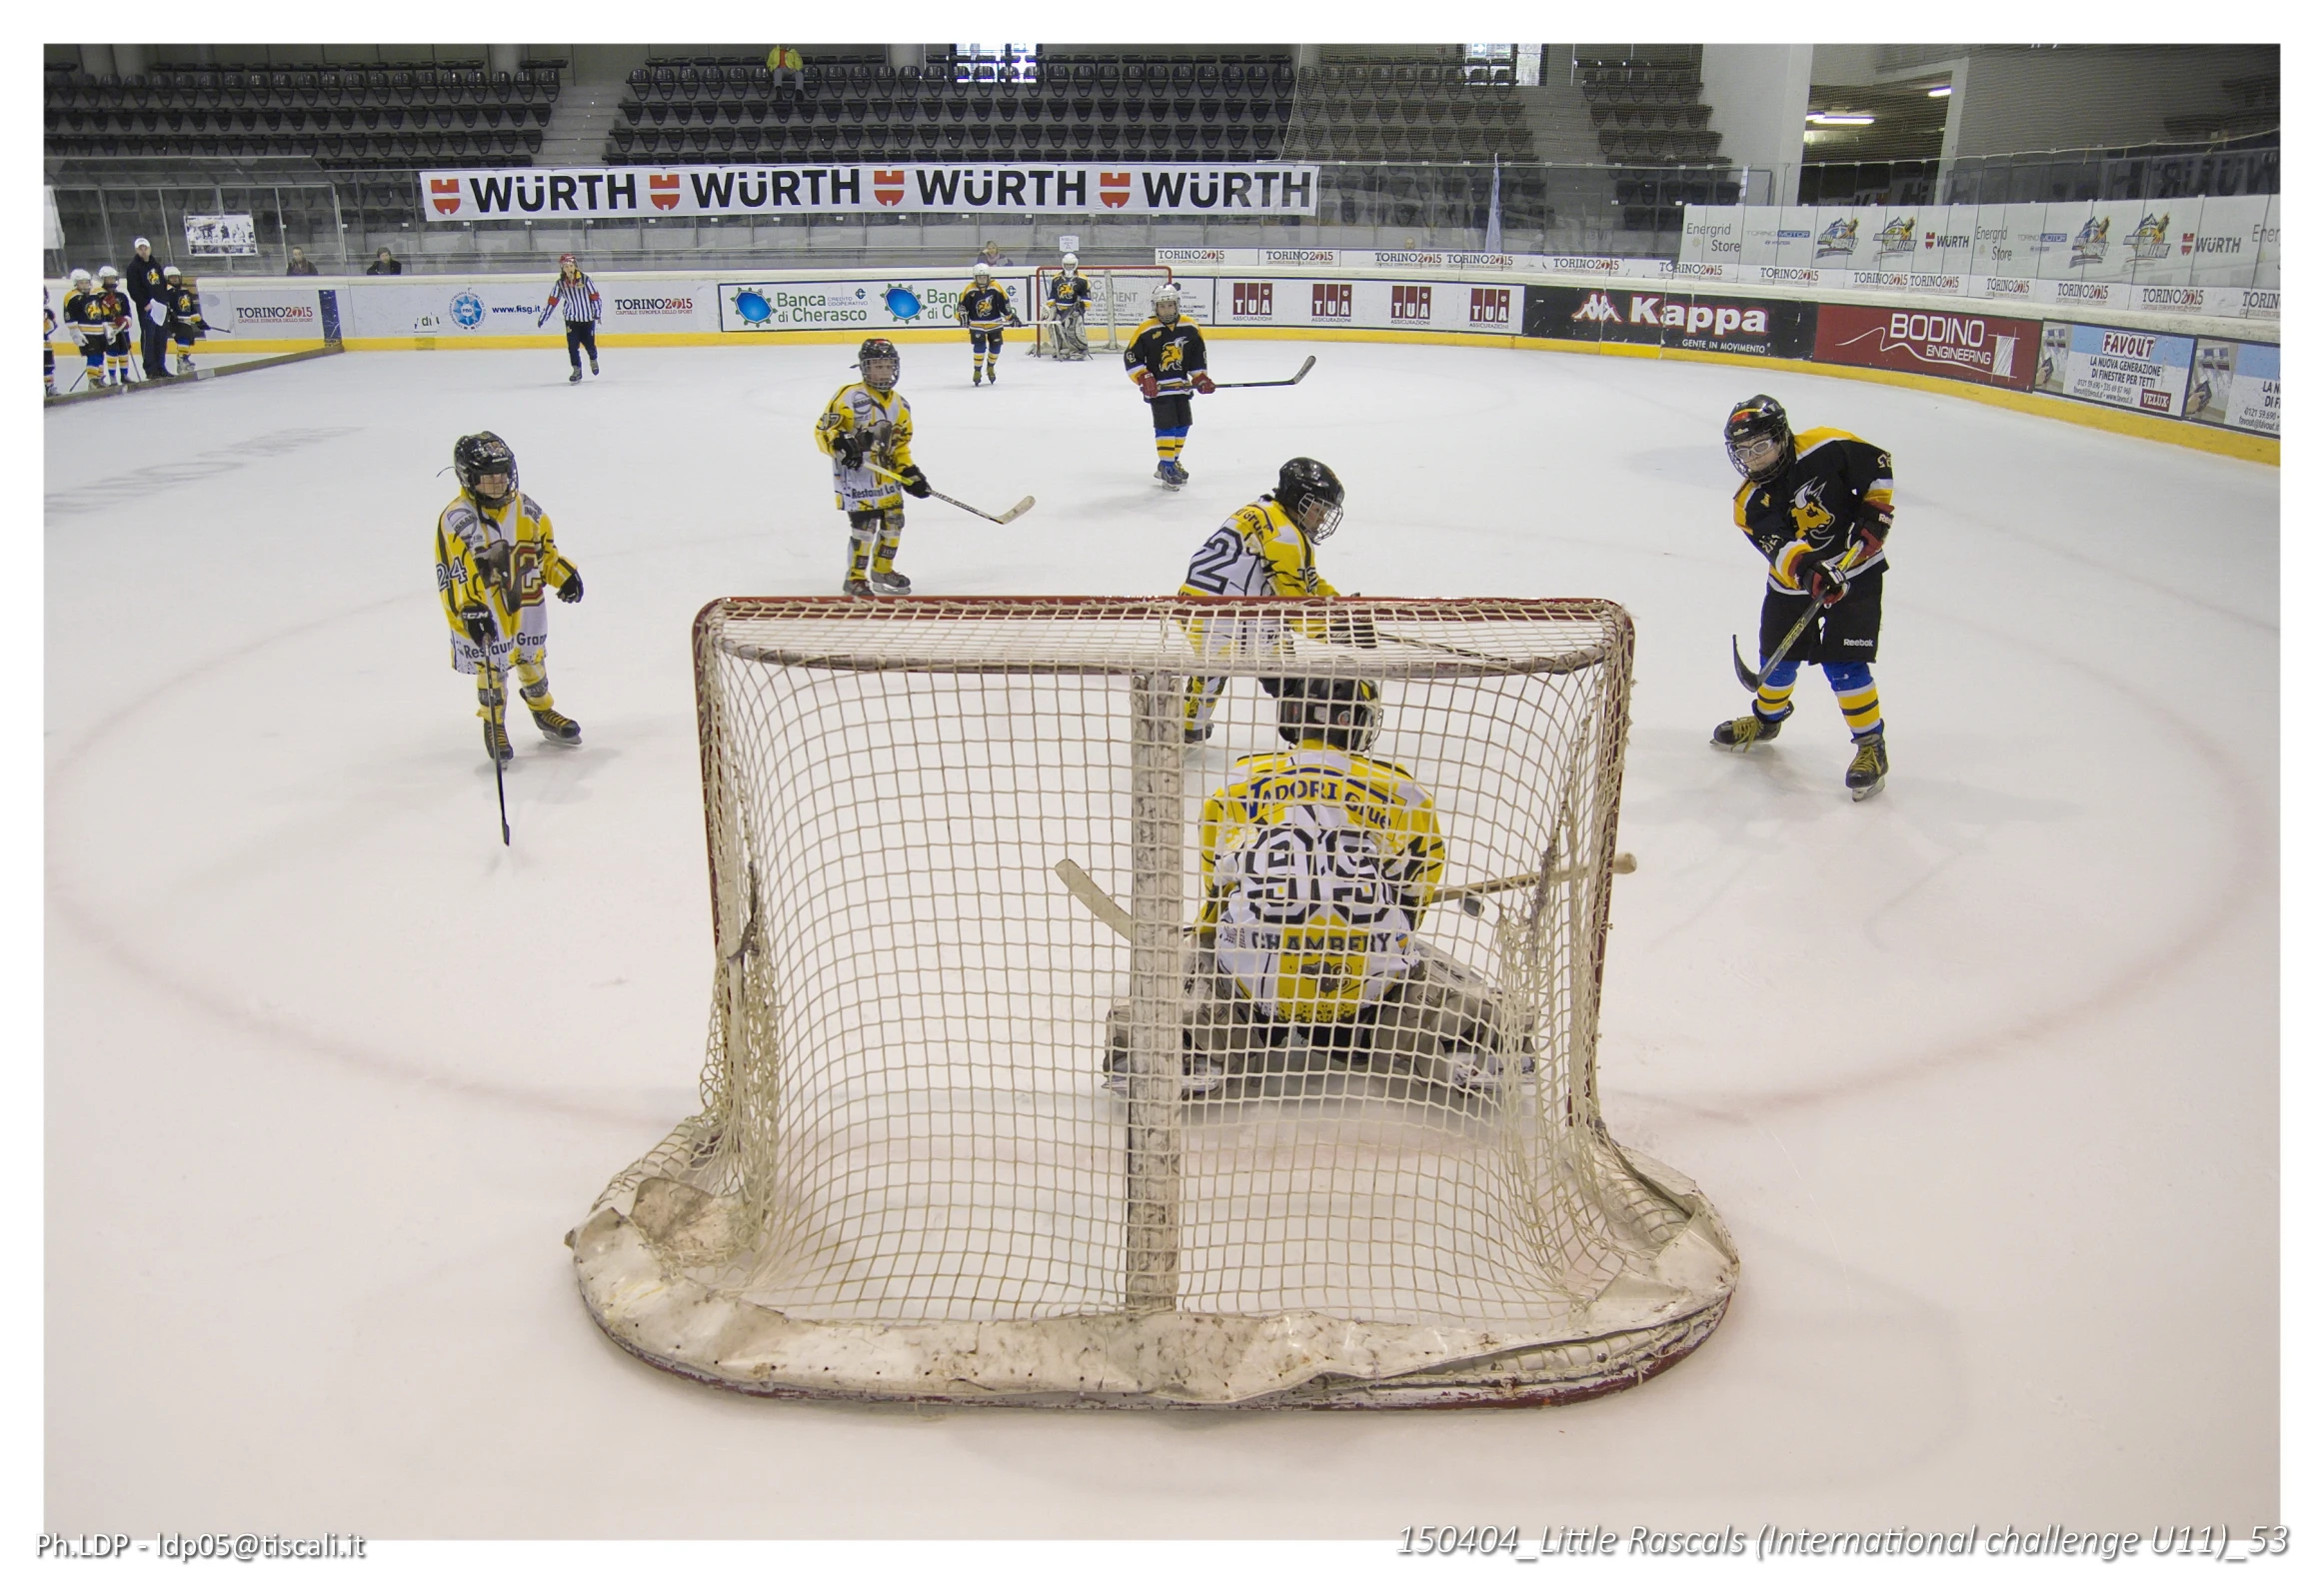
[(1252, 384), (1009, 515), (1116, 918)]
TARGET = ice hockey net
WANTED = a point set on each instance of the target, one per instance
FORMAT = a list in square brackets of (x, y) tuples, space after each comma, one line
[(1119, 298), (909, 1179)]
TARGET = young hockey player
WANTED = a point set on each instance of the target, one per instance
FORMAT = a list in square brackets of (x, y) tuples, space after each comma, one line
[(48, 346), (1319, 864), (1267, 549), (867, 425), (577, 295), (184, 305), (85, 317), (1069, 301), (496, 553), (115, 310), (984, 310), (1167, 361), (1818, 506)]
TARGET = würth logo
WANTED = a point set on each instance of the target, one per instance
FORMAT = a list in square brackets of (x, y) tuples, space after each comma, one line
[(443, 193), (1412, 302), (1254, 298), (663, 190), (888, 187), (1113, 188), (1332, 300), (1489, 305)]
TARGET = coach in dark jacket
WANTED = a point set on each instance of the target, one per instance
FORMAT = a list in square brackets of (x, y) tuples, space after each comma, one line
[(144, 289)]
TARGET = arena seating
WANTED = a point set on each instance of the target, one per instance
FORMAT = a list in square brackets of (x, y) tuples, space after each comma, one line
[(384, 115), (1647, 109)]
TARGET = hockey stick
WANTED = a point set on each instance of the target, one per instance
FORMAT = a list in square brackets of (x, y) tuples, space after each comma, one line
[(1092, 895), (1252, 384), (1009, 515), (1752, 679), (499, 710), (1467, 895)]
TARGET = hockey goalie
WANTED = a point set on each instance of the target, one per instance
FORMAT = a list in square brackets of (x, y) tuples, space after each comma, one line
[(1319, 864)]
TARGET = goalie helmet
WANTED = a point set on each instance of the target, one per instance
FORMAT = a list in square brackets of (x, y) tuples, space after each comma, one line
[(1338, 711), (476, 457), (1165, 302), (1752, 423), (1070, 261), (879, 363), (1311, 496)]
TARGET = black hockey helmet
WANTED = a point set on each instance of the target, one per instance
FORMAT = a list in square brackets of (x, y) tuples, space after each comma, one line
[(1753, 421), (875, 349), (1311, 496), (474, 457), (1338, 711)]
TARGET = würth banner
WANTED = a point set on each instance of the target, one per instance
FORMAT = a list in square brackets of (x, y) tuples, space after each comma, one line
[(642, 190)]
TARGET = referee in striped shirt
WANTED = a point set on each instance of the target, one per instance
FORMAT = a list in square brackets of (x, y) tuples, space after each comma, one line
[(577, 295)]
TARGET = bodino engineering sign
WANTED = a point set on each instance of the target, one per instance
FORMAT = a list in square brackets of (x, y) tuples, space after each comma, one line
[(641, 191)]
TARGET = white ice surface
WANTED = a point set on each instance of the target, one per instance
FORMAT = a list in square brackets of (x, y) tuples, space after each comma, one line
[(1981, 1072)]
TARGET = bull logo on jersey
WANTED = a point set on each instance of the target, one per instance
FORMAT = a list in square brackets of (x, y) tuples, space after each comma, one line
[(1810, 514), (1174, 357)]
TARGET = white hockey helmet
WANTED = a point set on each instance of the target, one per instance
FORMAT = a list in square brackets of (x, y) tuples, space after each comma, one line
[(106, 272), (1071, 263), (981, 274), (1166, 300), (170, 272), (80, 277)]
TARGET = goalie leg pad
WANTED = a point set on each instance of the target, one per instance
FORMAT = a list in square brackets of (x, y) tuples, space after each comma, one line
[(1441, 1023)]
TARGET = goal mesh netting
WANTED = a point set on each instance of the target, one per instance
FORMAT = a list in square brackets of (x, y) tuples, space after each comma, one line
[(1120, 297), (910, 1178)]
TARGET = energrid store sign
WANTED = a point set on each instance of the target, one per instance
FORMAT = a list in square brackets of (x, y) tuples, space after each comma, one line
[(637, 191)]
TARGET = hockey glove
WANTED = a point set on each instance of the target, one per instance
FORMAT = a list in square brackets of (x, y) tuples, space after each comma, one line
[(915, 482), (1148, 384), (1202, 383), (848, 446), (1352, 627), (570, 591), (482, 630), (1827, 587)]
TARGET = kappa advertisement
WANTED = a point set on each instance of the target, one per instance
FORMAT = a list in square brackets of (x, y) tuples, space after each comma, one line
[(2238, 384), (1954, 346), (2132, 369), (636, 189), (1688, 320)]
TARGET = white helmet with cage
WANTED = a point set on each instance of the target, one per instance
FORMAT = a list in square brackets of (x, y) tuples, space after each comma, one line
[(1165, 302)]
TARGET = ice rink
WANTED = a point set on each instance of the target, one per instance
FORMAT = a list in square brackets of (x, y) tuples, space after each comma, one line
[(1982, 1073)]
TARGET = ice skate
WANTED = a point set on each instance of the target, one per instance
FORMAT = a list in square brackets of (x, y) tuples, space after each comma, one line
[(891, 582), (1868, 771), (977, 377), (1746, 729), (593, 366), (1173, 474), (575, 377), (495, 742), (1203, 1074), (556, 728), (857, 587)]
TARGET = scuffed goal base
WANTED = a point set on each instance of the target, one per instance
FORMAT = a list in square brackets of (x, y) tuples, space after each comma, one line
[(1633, 1330)]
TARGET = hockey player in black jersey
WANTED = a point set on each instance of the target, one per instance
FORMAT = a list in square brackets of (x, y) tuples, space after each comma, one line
[(1168, 361), (1818, 506), (985, 312)]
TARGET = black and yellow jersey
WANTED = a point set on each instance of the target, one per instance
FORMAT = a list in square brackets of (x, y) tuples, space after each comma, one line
[(1830, 507), (1318, 866), (184, 305), (81, 312), (1172, 353), (986, 308), (1071, 290)]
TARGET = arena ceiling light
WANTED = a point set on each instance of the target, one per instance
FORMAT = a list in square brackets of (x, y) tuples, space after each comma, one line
[(1942, 91), (1836, 118)]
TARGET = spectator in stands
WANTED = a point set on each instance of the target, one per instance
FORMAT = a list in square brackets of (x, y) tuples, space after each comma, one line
[(784, 63), (145, 290), (299, 264), (990, 258), (386, 264)]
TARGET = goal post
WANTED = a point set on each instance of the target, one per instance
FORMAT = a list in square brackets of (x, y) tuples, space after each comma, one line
[(963, 1139), (1119, 300)]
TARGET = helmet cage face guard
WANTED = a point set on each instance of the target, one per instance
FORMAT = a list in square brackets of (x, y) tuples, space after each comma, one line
[(479, 457), (1165, 303), (1348, 724), (1319, 516), (1759, 437)]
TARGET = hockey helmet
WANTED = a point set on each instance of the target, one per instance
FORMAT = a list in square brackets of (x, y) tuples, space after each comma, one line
[(879, 362), (1165, 302), (1338, 711), (106, 272), (80, 277), (170, 272), (1759, 437), (1070, 261), (479, 456), (981, 274), (1311, 496)]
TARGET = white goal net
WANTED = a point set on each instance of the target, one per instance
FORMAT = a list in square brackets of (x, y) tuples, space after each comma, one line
[(1121, 296), (1284, 1093)]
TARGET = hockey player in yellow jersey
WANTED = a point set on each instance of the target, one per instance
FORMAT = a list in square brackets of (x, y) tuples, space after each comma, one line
[(495, 555), (1267, 549), (866, 429), (985, 312), (1319, 865)]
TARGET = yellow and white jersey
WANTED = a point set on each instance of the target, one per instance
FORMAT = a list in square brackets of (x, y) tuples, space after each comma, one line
[(886, 416), (1260, 551), (503, 560), (1318, 866)]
